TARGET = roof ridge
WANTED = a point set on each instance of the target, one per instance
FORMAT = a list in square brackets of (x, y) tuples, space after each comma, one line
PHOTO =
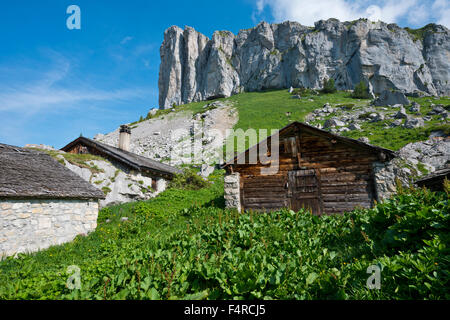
[(302, 124)]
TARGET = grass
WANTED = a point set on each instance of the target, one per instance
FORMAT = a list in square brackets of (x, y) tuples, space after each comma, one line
[(419, 34), (274, 109), (80, 160), (397, 137)]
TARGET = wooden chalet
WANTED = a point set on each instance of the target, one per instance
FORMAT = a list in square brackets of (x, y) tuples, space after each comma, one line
[(318, 170)]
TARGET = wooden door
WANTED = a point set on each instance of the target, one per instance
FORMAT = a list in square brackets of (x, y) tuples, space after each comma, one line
[(304, 191)]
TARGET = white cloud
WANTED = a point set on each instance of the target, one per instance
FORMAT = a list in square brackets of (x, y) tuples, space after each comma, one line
[(307, 12), (45, 92), (442, 8), (126, 39)]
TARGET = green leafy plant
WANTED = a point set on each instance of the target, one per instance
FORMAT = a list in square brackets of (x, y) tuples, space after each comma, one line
[(189, 180)]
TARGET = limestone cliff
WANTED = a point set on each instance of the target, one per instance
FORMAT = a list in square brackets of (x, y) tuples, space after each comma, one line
[(385, 56)]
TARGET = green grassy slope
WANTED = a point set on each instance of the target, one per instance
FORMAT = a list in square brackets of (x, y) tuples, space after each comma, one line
[(270, 109)]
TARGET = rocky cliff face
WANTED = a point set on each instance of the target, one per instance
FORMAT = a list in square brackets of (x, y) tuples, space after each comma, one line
[(385, 56)]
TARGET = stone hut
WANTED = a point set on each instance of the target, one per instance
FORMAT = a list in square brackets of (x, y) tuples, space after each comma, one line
[(42, 203), (315, 169), (152, 173)]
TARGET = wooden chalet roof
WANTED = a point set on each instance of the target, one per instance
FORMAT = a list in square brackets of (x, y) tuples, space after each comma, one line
[(130, 159), (31, 174), (389, 154)]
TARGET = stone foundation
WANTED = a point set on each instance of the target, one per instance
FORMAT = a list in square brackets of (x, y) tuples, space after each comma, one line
[(232, 191), (386, 174), (32, 225)]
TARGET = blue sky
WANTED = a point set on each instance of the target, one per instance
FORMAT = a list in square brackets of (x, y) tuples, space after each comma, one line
[(56, 83)]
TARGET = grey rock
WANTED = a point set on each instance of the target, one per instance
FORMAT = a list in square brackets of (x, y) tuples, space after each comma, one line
[(411, 123), (364, 139), (417, 94), (206, 170), (276, 56), (437, 109), (354, 126), (376, 117), (389, 97), (396, 123), (296, 96), (401, 114), (415, 107), (330, 123), (327, 108), (427, 118)]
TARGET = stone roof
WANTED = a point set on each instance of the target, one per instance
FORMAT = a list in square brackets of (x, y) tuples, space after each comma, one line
[(437, 175), (130, 159), (32, 174)]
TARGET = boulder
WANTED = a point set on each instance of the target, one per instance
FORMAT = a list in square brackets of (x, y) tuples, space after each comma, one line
[(364, 139), (412, 123), (415, 107), (206, 170), (401, 114), (390, 98), (354, 126), (437, 109), (376, 117), (396, 123), (330, 123)]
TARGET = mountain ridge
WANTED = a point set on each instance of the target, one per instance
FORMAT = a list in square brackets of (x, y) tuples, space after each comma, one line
[(275, 56)]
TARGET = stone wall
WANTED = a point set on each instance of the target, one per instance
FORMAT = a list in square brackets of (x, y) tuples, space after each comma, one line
[(387, 173), (32, 225), (232, 191), (120, 184)]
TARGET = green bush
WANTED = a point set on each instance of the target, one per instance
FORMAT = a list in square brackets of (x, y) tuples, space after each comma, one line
[(304, 92), (188, 180), (361, 91), (328, 86)]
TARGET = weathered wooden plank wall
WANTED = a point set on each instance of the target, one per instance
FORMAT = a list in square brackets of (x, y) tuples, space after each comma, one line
[(343, 175)]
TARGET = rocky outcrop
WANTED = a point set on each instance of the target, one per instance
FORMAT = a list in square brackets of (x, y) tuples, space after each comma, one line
[(391, 98), (171, 137), (118, 185), (385, 56)]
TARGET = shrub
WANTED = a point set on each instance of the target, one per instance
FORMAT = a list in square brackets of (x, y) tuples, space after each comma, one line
[(328, 86), (361, 91), (304, 91), (188, 180)]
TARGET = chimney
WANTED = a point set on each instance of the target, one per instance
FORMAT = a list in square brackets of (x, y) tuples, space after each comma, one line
[(124, 137)]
